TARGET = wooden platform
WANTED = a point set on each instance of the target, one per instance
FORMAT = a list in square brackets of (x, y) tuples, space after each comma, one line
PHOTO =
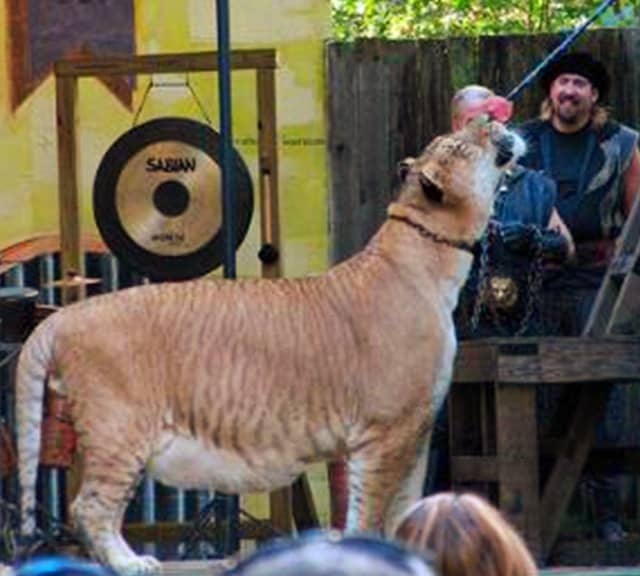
[(508, 371), (589, 571), (216, 567), (174, 568), (196, 567)]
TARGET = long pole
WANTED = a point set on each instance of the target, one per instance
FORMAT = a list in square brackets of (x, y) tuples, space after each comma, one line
[(226, 507), (570, 39), (224, 94)]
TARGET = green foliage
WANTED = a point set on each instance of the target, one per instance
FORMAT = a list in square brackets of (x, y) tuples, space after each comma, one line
[(405, 19)]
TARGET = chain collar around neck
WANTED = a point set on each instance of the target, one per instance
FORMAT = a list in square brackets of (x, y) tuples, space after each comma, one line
[(435, 237)]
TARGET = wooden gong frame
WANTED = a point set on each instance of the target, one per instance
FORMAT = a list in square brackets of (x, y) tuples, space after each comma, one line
[(67, 73), (263, 62)]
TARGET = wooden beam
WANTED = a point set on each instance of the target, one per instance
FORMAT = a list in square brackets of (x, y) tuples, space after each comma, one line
[(625, 316), (517, 449), (622, 459), (72, 261), (304, 509), (604, 312), (178, 531), (47, 244), (466, 469), (163, 63), (568, 360), (570, 462), (549, 360), (614, 307), (476, 362), (281, 510)]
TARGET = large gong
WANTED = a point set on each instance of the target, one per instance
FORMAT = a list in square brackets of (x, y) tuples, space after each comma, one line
[(157, 198)]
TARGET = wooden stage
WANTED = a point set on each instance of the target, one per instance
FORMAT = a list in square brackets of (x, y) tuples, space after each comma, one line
[(196, 567), (506, 373), (176, 568), (216, 567)]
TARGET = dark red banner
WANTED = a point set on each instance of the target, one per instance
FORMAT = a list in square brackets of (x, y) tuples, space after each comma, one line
[(43, 31)]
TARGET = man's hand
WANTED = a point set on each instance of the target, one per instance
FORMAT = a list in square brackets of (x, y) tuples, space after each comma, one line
[(518, 237), (555, 247)]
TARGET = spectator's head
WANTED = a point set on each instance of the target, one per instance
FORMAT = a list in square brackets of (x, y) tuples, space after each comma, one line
[(472, 101), (466, 535), (61, 566), (331, 554), (575, 85)]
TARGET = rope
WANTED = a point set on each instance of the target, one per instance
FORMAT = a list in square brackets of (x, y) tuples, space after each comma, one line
[(186, 83)]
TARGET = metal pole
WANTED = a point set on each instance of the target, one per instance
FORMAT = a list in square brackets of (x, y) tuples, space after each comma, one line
[(570, 39), (226, 506), (224, 92)]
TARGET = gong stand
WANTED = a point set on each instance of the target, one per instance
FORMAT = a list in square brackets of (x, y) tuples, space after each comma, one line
[(263, 62)]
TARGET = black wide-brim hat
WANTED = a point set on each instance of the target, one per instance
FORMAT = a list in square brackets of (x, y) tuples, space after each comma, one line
[(581, 63)]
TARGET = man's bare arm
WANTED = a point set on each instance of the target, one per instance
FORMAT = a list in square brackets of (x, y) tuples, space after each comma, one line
[(631, 183), (557, 223)]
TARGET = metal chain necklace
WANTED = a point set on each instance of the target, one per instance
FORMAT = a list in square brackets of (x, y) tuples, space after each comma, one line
[(483, 297)]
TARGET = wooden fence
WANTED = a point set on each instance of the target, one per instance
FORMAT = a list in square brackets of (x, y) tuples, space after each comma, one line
[(387, 99)]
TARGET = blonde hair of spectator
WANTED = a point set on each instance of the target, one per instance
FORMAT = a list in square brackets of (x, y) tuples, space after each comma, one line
[(466, 535)]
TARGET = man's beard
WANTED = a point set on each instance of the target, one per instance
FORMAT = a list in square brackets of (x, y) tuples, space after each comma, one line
[(571, 115)]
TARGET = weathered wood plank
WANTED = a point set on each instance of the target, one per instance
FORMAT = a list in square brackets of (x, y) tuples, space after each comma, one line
[(68, 201), (606, 307), (168, 532), (281, 510), (474, 469), (305, 513), (624, 460), (625, 314), (372, 128), (476, 362), (163, 63), (567, 360), (570, 461), (550, 360), (344, 151), (196, 567), (517, 455), (592, 402)]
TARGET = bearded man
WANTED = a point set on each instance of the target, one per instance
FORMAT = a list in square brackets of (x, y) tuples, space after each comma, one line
[(593, 159), (595, 163)]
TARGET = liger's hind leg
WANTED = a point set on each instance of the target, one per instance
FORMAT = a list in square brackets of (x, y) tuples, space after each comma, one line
[(109, 479)]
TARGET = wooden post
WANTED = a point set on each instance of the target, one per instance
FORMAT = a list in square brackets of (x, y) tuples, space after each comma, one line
[(71, 256), (280, 501), (69, 216), (517, 448)]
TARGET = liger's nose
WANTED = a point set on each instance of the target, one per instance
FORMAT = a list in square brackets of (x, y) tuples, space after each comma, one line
[(508, 144)]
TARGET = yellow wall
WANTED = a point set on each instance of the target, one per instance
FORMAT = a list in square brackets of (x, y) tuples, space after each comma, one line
[(295, 28)]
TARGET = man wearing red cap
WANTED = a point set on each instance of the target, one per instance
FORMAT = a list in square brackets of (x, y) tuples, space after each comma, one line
[(595, 163), (525, 231)]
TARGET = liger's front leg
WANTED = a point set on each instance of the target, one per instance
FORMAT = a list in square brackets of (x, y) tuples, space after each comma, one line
[(377, 473)]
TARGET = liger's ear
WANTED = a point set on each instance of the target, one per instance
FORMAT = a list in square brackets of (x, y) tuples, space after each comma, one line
[(430, 190), (403, 168)]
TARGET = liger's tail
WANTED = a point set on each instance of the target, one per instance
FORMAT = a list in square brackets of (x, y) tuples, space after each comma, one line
[(35, 361)]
